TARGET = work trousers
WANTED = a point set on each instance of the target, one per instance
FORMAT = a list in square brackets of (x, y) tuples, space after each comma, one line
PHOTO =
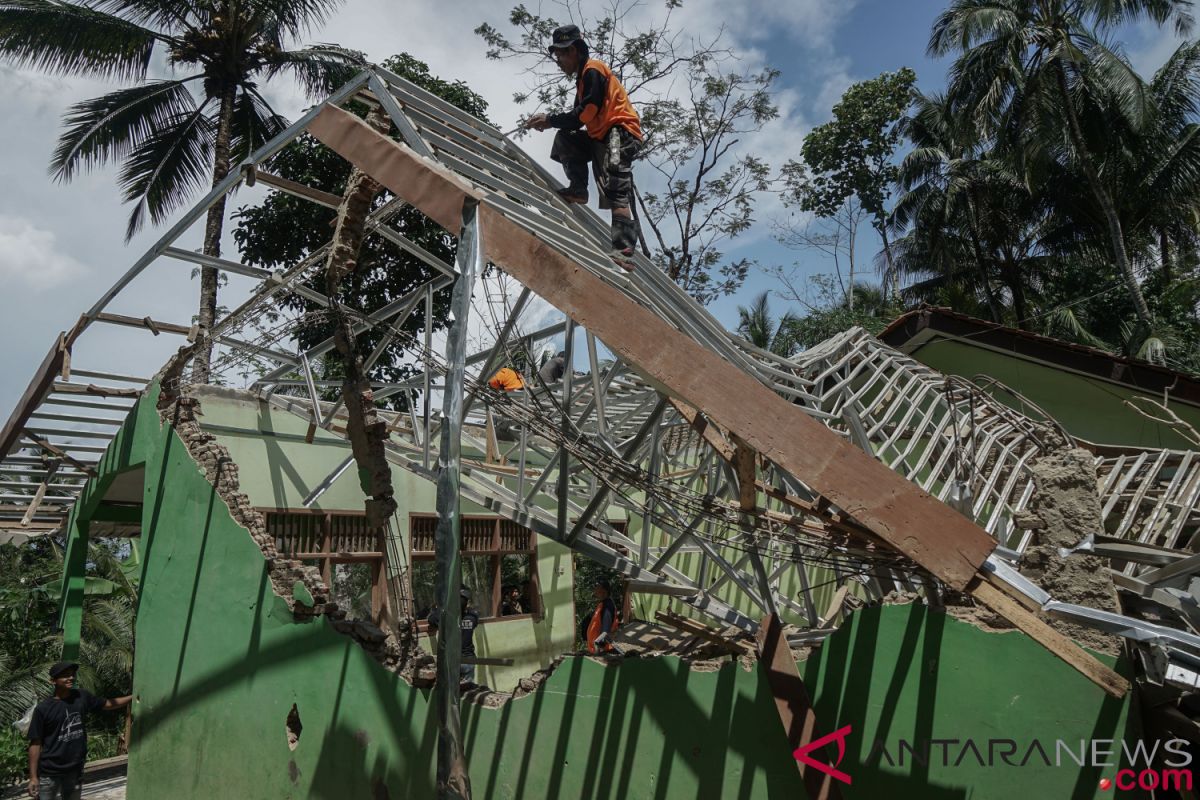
[(611, 162)]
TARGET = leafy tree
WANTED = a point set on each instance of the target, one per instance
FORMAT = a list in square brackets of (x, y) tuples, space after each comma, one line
[(1026, 69), (831, 313), (853, 155), (283, 230), (759, 326), (696, 104), (175, 135)]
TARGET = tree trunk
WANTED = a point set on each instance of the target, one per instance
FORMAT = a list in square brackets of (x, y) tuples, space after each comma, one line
[(366, 431), (212, 239), (1107, 207), (891, 267), (1012, 278), (1164, 251), (981, 262)]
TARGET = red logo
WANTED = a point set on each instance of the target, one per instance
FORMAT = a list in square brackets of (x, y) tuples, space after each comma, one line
[(802, 754), (1105, 784)]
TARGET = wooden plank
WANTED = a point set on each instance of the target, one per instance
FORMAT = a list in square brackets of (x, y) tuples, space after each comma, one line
[(795, 708), (37, 390), (1058, 644), (58, 451)]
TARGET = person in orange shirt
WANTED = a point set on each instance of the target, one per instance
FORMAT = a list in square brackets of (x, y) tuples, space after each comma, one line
[(602, 130), (506, 380), (603, 622)]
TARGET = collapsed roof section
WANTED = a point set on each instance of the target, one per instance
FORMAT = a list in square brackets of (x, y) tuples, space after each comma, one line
[(765, 468)]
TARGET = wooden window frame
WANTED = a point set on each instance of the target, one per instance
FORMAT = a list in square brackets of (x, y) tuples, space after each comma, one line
[(496, 551), (326, 556)]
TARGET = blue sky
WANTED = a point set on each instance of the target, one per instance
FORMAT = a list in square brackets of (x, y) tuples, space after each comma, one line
[(61, 246)]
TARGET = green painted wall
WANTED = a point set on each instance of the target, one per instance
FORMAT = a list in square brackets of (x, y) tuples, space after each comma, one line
[(220, 662), (905, 672), (1088, 408)]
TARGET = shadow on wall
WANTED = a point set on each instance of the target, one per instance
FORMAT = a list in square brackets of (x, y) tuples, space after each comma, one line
[(916, 687), (648, 728)]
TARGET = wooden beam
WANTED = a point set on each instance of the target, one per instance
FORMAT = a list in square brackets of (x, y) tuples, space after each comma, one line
[(40, 494), (298, 189), (794, 705), (743, 464), (1058, 644), (154, 326), (39, 387), (58, 451), (93, 389)]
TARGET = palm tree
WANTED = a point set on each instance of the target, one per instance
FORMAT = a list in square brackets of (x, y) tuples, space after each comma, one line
[(1024, 67), (173, 135), (940, 183), (762, 330)]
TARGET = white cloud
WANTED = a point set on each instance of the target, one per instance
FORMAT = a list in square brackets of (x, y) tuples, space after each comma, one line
[(30, 257)]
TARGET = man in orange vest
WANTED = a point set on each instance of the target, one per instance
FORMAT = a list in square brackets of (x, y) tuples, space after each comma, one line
[(609, 139), (506, 380), (603, 621)]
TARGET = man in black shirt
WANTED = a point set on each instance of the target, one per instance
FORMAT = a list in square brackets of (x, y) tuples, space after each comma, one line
[(57, 738), (467, 624)]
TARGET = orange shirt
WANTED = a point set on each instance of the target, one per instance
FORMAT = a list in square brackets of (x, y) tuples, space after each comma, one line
[(617, 110), (506, 380)]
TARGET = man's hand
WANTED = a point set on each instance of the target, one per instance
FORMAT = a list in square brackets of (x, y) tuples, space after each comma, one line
[(537, 122), (33, 787)]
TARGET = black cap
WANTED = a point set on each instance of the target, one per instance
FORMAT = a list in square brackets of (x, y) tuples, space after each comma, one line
[(605, 585), (565, 36), (464, 593), (62, 666)]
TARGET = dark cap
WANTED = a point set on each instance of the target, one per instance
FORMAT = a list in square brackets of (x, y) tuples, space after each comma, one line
[(565, 36), (62, 666), (604, 584), (464, 593)]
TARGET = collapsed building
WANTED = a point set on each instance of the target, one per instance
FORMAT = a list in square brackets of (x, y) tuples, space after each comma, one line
[(910, 565)]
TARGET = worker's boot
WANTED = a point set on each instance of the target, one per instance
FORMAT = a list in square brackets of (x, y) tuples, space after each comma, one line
[(577, 182), (624, 240)]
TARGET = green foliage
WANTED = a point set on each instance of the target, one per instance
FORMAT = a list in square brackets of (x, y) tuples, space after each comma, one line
[(283, 230), (853, 154), (29, 642), (14, 757), (832, 313), (762, 330)]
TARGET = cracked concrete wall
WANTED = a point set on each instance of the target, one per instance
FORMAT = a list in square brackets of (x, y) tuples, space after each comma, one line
[(1065, 508)]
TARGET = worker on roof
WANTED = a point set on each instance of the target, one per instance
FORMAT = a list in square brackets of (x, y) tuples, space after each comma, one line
[(609, 141), (506, 380), (604, 620)]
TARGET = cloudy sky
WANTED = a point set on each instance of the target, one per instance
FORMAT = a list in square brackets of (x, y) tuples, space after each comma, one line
[(61, 246)]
